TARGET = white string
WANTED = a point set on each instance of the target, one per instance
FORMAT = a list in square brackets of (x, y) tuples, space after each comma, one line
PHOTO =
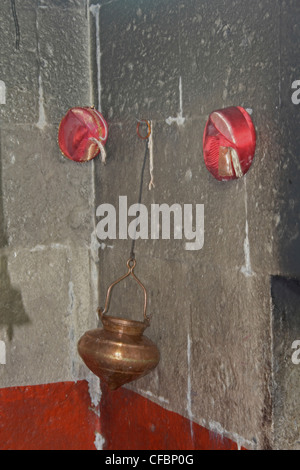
[(98, 142), (103, 122), (101, 147), (150, 146), (236, 163)]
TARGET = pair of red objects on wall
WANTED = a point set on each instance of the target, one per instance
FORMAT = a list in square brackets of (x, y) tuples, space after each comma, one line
[(228, 142)]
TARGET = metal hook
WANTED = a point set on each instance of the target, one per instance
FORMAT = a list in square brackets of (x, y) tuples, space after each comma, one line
[(143, 121)]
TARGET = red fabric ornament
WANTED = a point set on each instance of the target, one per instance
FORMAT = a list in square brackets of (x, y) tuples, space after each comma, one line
[(82, 134), (229, 143)]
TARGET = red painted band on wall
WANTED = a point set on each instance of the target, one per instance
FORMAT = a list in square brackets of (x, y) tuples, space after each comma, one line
[(60, 416), (130, 421), (55, 416)]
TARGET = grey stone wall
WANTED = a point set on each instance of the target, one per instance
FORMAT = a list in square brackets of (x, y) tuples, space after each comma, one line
[(286, 324), (219, 329), (173, 62), (48, 274)]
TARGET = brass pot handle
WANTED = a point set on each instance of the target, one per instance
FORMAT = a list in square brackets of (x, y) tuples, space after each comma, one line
[(131, 263)]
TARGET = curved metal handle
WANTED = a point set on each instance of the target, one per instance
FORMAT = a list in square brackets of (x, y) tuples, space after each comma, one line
[(131, 263)]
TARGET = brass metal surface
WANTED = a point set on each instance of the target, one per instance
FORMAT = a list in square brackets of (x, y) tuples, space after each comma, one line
[(119, 352)]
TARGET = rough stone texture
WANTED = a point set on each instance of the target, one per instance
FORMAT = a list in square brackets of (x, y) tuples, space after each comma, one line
[(212, 308), (145, 77), (64, 59), (286, 324), (19, 69), (225, 342), (289, 185), (285, 288), (49, 198), (48, 252)]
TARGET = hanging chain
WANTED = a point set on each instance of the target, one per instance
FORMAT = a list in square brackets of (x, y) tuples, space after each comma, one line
[(14, 12), (146, 139), (131, 262), (132, 253)]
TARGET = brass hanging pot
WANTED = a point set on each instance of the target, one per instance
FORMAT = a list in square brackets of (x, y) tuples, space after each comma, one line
[(119, 353)]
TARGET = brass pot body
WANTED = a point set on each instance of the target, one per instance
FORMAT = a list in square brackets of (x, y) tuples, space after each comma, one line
[(118, 353)]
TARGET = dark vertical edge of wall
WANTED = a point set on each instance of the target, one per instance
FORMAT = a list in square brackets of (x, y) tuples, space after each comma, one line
[(289, 184), (285, 291), (285, 294)]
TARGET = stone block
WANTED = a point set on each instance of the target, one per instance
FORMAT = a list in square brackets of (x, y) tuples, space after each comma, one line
[(142, 41), (46, 197), (19, 68), (224, 61), (64, 79)]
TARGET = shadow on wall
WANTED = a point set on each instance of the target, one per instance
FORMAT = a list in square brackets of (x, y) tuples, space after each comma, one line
[(12, 310)]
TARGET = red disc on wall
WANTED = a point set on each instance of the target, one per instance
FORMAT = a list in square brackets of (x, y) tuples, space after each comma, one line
[(229, 143), (82, 134)]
